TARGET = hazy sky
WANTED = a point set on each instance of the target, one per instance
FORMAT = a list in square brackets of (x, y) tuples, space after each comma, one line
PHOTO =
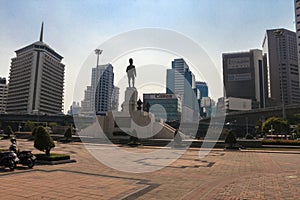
[(75, 28)]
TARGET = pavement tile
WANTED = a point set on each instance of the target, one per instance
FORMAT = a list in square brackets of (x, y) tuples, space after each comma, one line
[(231, 175)]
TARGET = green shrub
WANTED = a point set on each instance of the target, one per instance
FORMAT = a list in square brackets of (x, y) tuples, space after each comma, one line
[(8, 131), (43, 141), (249, 137), (230, 139), (278, 125), (34, 131), (52, 124), (68, 134), (281, 142), (29, 126), (52, 157)]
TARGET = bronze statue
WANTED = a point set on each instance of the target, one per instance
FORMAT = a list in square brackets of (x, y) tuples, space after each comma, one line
[(131, 73)]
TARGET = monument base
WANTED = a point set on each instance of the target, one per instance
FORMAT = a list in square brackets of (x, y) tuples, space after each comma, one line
[(130, 103)]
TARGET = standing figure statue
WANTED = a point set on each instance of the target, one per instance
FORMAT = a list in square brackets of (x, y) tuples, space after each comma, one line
[(131, 73)]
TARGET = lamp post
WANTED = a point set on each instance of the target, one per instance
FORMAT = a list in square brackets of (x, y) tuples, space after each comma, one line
[(98, 53), (278, 34)]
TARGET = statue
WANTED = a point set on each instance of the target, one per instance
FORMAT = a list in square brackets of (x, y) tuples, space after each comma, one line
[(131, 73)]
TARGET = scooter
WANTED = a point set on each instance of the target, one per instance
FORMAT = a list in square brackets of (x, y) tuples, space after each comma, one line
[(8, 159), (26, 158)]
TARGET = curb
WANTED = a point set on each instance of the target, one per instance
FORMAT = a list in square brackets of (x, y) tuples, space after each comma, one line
[(45, 162)]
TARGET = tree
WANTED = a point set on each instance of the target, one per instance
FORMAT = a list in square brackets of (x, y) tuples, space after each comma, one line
[(43, 141), (278, 125), (230, 139), (34, 131), (249, 136), (298, 131), (8, 131), (68, 134), (29, 126), (52, 124)]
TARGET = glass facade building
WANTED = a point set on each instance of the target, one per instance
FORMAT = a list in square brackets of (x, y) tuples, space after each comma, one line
[(164, 106)]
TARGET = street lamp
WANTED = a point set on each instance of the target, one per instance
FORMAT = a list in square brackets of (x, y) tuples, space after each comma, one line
[(278, 34)]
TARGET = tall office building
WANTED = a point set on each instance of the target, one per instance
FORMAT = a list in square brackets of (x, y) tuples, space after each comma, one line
[(281, 58), (203, 88), (181, 81), (3, 94), (86, 107), (75, 108), (115, 99), (297, 23), (36, 80), (244, 76), (102, 86)]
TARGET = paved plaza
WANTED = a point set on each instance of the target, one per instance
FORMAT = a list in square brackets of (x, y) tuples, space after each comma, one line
[(220, 175)]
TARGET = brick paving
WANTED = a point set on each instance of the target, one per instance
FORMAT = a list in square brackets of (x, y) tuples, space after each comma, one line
[(220, 175)]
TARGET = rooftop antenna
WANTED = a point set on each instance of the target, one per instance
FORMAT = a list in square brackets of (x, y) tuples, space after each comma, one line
[(41, 34)]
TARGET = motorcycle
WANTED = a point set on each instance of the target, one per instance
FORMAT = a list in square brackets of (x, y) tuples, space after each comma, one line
[(26, 158), (8, 159)]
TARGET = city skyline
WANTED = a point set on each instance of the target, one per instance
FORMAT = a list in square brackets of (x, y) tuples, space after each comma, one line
[(198, 20)]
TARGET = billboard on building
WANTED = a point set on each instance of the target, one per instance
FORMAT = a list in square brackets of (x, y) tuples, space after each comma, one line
[(238, 104), (238, 63)]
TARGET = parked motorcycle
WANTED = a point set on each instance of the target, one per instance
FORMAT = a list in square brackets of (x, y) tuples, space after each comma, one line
[(8, 159), (26, 158)]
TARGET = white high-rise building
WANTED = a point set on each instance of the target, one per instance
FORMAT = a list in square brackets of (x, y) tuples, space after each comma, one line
[(281, 59), (102, 86), (3, 94), (115, 99), (36, 80), (86, 102), (181, 81)]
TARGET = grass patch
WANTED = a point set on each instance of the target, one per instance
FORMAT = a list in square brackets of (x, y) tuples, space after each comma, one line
[(281, 142), (52, 157)]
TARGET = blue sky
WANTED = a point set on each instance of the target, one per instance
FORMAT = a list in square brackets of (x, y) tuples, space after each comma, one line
[(75, 28)]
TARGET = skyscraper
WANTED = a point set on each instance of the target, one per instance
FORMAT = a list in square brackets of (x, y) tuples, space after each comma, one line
[(3, 94), (281, 58), (102, 86), (203, 88), (297, 24), (86, 107), (115, 99), (181, 81), (244, 76), (36, 80)]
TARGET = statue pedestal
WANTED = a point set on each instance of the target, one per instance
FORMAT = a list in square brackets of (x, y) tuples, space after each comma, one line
[(130, 103)]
